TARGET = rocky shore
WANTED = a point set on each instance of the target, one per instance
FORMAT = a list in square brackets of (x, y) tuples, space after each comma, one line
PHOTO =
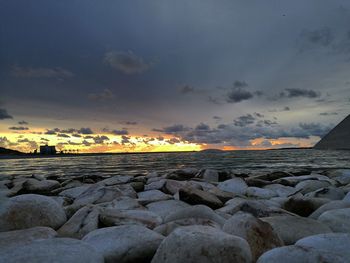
[(185, 215)]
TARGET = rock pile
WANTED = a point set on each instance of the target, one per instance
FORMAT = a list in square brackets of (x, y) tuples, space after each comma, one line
[(185, 215)]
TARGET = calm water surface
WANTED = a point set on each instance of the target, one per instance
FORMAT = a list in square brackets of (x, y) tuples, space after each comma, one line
[(242, 161)]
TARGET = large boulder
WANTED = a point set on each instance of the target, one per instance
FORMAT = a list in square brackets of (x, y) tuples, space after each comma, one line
[(197, 211), (308, 186), (195, 197), (164, 208), (39, 187), (304, 206), (338, 243), (259, 234), (150, 196), (338, 219), (260, 193), (125, 243), (58, 250), (337, 204), (82, 222), (202, 244), (297, 254), (292, 228), (25, 236), (281, 190), (115, 217), (234, 185), (26, 211), (331, 192)]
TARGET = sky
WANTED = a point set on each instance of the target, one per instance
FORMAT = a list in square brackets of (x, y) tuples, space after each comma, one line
[(164, 75)]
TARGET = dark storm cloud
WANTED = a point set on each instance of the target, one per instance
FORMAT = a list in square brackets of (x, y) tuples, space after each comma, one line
[(83, 131), (63, 135), (4, 115), (243, 121), (259, 115), (320, 37), (239, 93), (100, 139), (29, 72), (217, 118), (294, 93), (126, 62), (202, 127), (23, 123), (104, 95), (328, 113), (174, 129), (18, 128), (130, 122), (185, 89), (120, 132)]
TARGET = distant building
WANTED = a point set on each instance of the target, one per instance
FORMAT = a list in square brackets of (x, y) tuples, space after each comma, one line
[(338, 138), (46, 149)]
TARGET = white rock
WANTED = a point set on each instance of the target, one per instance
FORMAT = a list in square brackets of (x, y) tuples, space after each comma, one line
[(82, 222), (26, 211), (150, 196), (259, 234), (25, 236), (338, 243), (235, 185), (125, 243), (292, 228), (58, 250), (114, 217), (196, 211), (202, 244), (75, 191), (308, 186), (281, 190), (338, 219), (297, 254), (331, 192), (165, 208), (337, 204)]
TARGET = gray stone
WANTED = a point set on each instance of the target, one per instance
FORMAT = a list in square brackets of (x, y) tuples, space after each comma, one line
[(197, 211), (297, 254), (39, 187), (123, 203), (281, 190), (259, 234), (338, 219), (308, 186), (125, 243), (332, 193), (25, 236), (347, 197), (260, 193), (338, 243), (74, 192), (337, 204), (234, 185), (58, 250), (292, 228), (304, 206), (114, 217), (26, 211), (164, 208), (81, 223), (195, 197), (150, 196), (202, 244)]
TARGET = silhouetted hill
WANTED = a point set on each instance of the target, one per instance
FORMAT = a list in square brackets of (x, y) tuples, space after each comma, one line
[(4, 151), (338, 138)]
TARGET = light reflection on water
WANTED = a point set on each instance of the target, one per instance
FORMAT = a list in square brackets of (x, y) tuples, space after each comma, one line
[(142, 163)]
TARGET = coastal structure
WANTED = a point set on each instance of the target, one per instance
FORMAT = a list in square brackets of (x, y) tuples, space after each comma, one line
[(46, 149), (338, 138)]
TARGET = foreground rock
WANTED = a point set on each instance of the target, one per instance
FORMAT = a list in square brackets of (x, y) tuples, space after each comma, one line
[(337, 243), (297, 254), (26, 211), (195, 197), (114, 217), (125, 243), (292, 228), (234, 185), (164, 208), (259, 235), (337, 204), (82, 222), (25, 236), (58, 250), (202, 244), (338, 219)]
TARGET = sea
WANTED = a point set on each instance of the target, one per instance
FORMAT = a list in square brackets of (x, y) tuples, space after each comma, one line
[(143, 163)]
